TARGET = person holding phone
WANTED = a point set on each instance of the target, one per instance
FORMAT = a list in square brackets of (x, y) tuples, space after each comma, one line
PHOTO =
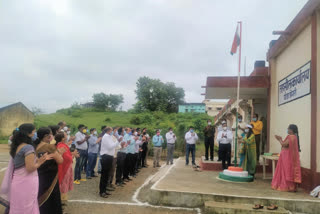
[(191, 138)]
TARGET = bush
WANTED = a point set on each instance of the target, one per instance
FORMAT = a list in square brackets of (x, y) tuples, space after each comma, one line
[(135, 120), (108, 119), (75, 114)]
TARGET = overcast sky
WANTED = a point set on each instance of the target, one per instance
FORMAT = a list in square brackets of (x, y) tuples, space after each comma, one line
[(57, 52)]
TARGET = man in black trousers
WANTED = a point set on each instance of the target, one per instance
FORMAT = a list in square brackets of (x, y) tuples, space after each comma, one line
[(209, 133), (107, 152)]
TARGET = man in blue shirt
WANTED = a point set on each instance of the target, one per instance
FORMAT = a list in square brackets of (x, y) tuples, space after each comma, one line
[(93, 149), (157, 141)]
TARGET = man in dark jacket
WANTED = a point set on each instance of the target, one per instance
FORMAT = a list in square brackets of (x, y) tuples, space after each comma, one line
[(209, 133)]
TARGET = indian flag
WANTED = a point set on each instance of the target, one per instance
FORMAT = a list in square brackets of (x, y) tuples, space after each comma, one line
[(235, 43)]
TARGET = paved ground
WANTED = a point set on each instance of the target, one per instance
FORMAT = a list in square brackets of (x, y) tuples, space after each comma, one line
[(207, 183)]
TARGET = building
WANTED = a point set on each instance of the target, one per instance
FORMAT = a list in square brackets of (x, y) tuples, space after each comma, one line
[(286, 92), (13, 116), (192, 107), (213, 107)]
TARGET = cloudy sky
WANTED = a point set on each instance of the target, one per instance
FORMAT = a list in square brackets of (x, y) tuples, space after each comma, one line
[(57, 52)]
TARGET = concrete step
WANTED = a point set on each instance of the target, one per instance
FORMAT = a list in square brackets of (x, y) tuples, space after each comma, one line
[(213, 207)]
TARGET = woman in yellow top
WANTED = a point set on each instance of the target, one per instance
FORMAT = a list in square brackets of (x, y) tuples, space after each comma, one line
[(249, 163), (257, 129)]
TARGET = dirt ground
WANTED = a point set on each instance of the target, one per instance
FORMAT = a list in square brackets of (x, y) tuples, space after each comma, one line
[(85, 198)]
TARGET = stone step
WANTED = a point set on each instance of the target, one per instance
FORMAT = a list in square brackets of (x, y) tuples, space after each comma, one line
[(213, 207)]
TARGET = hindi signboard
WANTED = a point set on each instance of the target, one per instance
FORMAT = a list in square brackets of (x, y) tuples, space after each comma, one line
[(295, 85)]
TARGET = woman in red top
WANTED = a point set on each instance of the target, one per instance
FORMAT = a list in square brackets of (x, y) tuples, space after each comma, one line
[(65, 172)]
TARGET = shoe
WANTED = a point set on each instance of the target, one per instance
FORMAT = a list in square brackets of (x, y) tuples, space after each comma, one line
[(211, 159), (99, 172), (119, 185), (110, 189), (76, 182), (219, 160), (103, 195), (187, 164), (123, 183), (158, 165), (112, 186), (206, 159), (94, 176), (167, 163), (171, 163), (88, 178), (108, 193), (83, 179), (144, 166)]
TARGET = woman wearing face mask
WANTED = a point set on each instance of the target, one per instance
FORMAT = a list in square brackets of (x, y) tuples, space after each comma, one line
[(49, 192), (65, 173), (21, 182), (249, 162), (288, 172)]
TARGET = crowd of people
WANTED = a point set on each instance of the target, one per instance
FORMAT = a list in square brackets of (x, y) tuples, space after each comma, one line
[(40, 173)]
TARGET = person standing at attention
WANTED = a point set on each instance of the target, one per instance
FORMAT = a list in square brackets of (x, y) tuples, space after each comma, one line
[(257, 129), (171, 139), (225, 138), (191, 138), (209, 133), (157, 141)]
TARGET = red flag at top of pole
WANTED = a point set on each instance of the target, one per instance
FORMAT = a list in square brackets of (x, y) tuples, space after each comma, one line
[(235, 43)]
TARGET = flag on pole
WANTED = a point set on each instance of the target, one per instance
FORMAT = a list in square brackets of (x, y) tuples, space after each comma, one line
[(235, 43)]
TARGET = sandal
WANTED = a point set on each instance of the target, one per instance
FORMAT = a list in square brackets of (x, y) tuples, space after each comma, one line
[(272, 207), (104, 195), (257, 207)]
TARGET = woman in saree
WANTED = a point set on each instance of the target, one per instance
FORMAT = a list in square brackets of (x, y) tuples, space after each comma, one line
[(250, 157), (49, 192), (19, 188), (65, 173), (288, 171)]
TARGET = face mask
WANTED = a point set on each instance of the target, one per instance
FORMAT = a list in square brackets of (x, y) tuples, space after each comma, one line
[(224, 128), (240, 120), (111, 133), (246, 130), (209, 123), (84, 131), (68, 132), (136, 133), (144, 133), (191, 130), (34, 137), (130, 133), (95, 132), (171, 132), (287, 131), (254, 119)]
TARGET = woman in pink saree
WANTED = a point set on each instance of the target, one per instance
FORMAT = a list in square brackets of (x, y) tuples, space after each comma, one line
[(19, 189), (288, 171)]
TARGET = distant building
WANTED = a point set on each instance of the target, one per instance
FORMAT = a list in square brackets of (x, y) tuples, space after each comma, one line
[(87, 105), (213, 107), (192, 107), (13, 116)]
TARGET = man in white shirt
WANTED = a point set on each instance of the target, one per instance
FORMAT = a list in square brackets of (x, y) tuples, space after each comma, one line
[(108, 148), (171, 139), (191, 138), (225, 138), (115, 138)]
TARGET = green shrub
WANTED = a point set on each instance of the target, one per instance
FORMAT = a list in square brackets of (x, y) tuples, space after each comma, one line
[(108, 119), (135, 120)]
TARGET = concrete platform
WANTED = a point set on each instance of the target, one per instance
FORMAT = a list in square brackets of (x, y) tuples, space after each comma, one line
[(182, 186)]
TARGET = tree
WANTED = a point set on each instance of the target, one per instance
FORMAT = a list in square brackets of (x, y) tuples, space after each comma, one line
[(154, 95), (36, 110), (107, 102)]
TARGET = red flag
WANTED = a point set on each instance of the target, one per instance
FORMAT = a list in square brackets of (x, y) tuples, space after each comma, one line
[(235, 43)]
